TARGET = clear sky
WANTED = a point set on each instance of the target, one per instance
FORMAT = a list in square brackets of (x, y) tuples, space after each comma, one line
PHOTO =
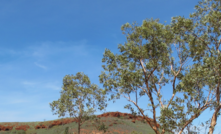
[(42, 41)]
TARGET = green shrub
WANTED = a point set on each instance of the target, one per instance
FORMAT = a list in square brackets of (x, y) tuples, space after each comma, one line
[(103, 127), (99, 126)]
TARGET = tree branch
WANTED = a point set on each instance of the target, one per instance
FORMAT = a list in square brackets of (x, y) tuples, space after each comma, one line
[(149, 94), (192, 118)]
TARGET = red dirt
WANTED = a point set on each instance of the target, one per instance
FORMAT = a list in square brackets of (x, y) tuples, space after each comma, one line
[(49, 124)]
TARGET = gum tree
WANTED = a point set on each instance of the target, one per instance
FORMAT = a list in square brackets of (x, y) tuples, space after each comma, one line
[(133, 72), (207, 41), (76, 96)]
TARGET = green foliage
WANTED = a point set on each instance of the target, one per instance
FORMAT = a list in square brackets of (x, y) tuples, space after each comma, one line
[(73, 97), (99, 125), (103, 127), (132, 73)]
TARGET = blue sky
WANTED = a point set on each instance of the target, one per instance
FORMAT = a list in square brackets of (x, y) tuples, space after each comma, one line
[(42, 41)]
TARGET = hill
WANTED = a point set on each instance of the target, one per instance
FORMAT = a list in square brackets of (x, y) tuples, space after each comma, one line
[(117, 123)]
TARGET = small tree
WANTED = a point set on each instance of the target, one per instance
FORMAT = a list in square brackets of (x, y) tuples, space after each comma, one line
[(74, 95)]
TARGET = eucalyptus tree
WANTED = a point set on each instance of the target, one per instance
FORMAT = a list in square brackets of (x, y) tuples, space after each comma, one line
[(206, 44), (76, 95), (134, 69)]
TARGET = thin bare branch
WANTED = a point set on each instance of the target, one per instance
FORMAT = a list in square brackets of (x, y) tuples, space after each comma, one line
[(207, 97)]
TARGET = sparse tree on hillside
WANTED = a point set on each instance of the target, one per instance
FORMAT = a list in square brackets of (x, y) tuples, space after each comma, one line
[(137, 64), (74, 96)]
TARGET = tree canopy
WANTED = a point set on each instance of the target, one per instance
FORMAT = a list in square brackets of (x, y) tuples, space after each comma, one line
[(79, 98)]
